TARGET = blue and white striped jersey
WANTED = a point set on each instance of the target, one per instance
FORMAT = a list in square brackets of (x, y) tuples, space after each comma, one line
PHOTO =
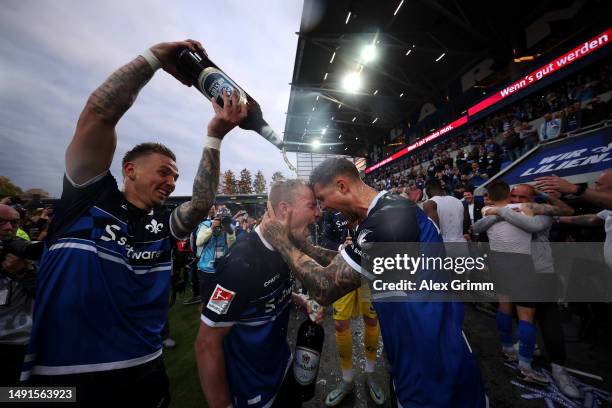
[(430, 361), (103, 283)]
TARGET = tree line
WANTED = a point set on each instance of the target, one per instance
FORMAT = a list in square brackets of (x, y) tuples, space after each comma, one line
[(229, 184)]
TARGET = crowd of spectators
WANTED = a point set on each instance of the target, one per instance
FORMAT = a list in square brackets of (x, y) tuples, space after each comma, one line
[(468, 159), (34, 217)]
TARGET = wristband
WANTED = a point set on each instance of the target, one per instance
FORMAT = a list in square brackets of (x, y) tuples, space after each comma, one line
[(212, 143), (151, 59)]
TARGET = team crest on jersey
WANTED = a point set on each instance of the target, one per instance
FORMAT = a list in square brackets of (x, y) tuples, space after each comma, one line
[(154, 226), (361, 238), (220, 300)]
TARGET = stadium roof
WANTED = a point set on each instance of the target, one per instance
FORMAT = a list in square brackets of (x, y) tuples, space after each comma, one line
[(421, 47)]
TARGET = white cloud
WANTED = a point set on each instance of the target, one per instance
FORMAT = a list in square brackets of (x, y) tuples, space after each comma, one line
[(56, 53)]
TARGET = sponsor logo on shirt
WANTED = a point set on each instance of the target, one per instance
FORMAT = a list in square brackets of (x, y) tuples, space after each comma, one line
[(271, 280), (361, 238), (220, 300), (111, 234)]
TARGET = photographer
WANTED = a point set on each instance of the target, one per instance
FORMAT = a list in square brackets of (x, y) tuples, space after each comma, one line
[(213, 239), (17, 286)]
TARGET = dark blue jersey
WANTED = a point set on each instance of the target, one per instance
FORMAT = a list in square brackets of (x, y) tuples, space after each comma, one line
[(334, 230), (430, 360), (103, 281), (251, 292)]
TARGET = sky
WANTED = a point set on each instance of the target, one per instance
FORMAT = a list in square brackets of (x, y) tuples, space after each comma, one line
[(55, 53)]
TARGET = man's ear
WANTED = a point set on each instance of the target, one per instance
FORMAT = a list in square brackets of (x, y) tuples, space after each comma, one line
[(282, 209), (342, 185), (129, 170)]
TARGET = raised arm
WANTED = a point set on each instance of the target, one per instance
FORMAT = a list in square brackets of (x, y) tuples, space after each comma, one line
[(91, 150), (189, 214), (600, 198)]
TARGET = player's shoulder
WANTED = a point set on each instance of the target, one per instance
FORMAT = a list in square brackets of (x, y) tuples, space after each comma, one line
[(392, 207), (393, 219), (243, 258)]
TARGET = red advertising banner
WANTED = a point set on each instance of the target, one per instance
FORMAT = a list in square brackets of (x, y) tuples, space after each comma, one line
[(561, 62), (452, 126), (586, 48)]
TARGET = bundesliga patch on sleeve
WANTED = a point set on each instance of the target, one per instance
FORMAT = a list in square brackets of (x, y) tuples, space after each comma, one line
[(220, 300)]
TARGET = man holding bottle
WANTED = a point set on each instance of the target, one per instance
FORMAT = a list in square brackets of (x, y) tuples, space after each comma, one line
[(103, 282)]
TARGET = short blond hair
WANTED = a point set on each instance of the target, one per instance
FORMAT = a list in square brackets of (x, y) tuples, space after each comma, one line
[(284, 190)]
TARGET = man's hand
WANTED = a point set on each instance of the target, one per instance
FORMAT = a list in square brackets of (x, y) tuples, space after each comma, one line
[(555, 183), (315, 311), (227, 117), (275, 230), (527, 209), (167, 54), (490, 211), (347, 241)]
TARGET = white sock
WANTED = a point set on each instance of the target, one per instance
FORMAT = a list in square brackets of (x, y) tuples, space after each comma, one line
[(369, 366), (347, 375)]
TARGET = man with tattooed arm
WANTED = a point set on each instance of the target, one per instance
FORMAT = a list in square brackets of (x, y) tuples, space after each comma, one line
[(431, 363), (102, 292), (600, 195)]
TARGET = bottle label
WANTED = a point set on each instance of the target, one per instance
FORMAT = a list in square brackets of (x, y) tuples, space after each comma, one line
[(213, 82), (305, 365)]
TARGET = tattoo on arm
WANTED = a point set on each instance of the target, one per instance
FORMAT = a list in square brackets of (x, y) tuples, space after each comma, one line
[(564, 209), (545, 209), (115, 96), (589, 220), (188, 215), (323, 256), (325, 284)]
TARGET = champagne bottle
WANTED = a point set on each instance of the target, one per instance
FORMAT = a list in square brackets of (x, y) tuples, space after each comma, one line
[(211, 81), (307, 357)]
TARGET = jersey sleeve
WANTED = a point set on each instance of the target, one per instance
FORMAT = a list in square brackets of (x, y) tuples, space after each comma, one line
[(77, 199), (357, 253), (227, 292), (604, 214)]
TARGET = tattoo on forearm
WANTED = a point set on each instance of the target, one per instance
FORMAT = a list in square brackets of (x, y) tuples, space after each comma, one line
[(115, 96), (188, 215), (322, 255), (325, 284), (544, 209)]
